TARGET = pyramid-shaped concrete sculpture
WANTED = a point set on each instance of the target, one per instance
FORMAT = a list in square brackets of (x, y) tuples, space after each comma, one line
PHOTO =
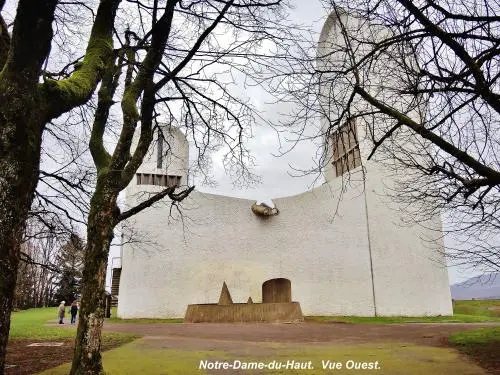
[(225, 296), (277, 307)]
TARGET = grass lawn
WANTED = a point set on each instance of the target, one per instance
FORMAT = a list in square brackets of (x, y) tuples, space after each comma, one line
[(482, 344), (478, 307), (456, 318), (144, 321), (394, 358), (463, 312), (132, 355), (114, 319), (31, 324), (478, 337)]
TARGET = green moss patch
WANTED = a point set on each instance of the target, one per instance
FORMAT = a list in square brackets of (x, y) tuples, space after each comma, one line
[(482, 345), (477, 337), (394, 358)]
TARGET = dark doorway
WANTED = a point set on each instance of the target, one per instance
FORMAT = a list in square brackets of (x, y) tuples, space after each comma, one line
[(277, 290)]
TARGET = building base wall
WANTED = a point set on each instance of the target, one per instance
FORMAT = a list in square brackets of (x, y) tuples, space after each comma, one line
[(281, 312), (320, 246)]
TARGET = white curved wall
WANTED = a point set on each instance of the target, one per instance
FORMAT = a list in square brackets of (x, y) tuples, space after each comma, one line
[(353, 257), (225, 241), (328, 262)]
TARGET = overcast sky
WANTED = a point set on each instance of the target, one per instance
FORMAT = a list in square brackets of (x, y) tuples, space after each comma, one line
[(276, 172)]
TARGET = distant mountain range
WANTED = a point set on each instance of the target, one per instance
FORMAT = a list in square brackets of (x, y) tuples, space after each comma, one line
[(479, 287)]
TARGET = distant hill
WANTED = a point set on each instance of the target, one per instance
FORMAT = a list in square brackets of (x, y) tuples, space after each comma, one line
[(479, 287)]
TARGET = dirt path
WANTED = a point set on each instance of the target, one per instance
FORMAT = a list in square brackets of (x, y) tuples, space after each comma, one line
[(244, 340), (333, 333), (258, 340)]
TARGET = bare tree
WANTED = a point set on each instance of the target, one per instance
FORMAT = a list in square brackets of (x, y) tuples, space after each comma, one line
[(38, 271), (421, 79), (59, 210), (28, 101), (69, 261), (180, 62), (50, 269)]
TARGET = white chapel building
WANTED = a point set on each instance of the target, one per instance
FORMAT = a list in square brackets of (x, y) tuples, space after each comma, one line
[(346, 249)]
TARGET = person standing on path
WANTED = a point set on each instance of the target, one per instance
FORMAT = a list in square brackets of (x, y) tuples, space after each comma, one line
[(74, 311), (61, 312)]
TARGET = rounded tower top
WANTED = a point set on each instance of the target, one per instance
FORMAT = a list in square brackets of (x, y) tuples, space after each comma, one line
[(341, 146)]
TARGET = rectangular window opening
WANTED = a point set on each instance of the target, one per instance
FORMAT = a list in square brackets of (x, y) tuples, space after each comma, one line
[(159, 148), (346, 153), (158, 180)]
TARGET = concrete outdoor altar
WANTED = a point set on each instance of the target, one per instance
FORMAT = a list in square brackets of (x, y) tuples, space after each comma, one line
[(276, 307)]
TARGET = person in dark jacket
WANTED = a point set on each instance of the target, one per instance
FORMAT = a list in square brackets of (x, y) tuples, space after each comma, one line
[(74, 311)]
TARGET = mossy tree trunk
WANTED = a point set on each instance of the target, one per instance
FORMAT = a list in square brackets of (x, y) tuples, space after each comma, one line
[(115, 171), (19, 160), (101, 222), (21, 126), (26, 105)]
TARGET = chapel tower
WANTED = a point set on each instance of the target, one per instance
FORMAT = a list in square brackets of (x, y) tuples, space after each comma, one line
[(166, 163)]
